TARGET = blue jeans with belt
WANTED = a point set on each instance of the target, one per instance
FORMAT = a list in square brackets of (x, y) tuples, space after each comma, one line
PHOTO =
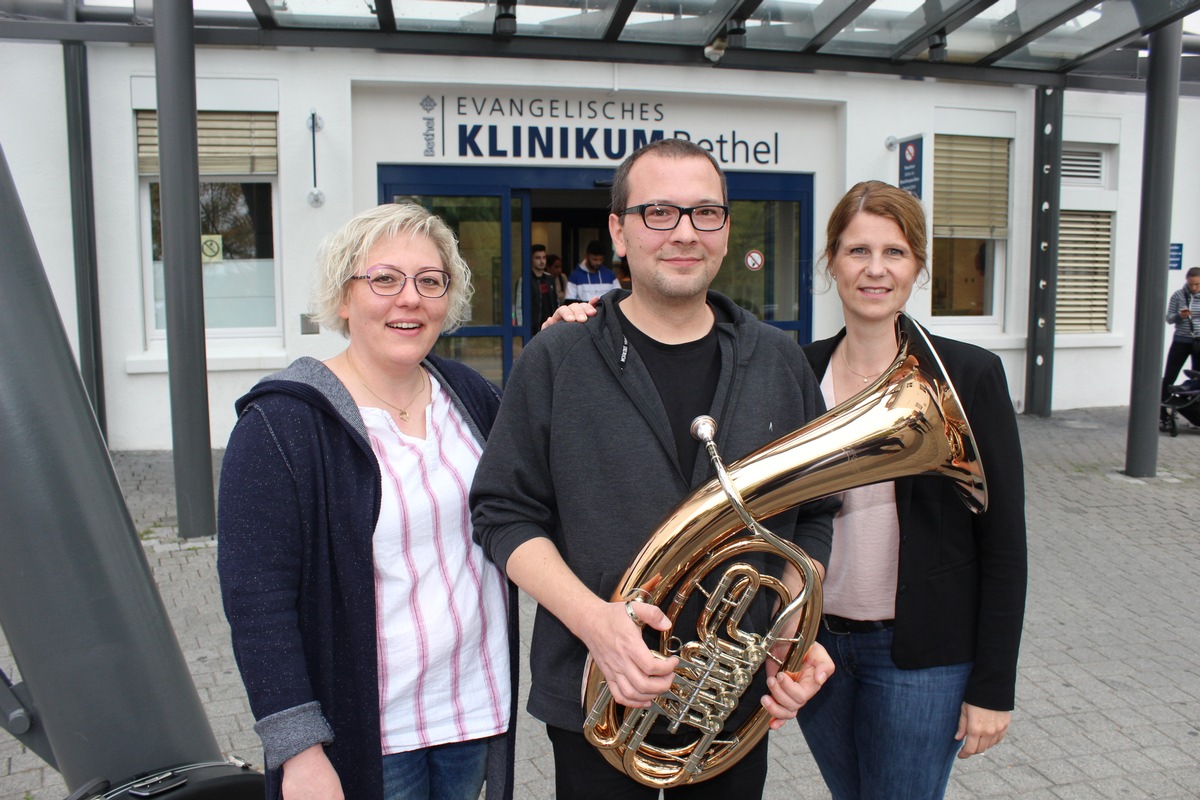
[(878, 732), (443, 772)]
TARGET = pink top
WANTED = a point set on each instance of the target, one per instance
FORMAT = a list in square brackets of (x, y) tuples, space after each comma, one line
[(860, 581)]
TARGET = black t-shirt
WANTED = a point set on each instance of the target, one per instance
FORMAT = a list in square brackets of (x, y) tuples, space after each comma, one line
[(686, 377)]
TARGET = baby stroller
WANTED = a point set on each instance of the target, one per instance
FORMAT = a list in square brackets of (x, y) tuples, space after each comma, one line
[(1183, 400)]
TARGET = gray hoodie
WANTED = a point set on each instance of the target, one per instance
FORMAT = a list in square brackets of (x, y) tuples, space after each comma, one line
[(582, 453)]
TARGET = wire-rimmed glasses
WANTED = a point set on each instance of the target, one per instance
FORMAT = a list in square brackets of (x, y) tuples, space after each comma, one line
[(665, 217), (389, 281)]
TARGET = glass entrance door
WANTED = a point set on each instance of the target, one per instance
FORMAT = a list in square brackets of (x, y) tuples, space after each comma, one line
[(492, 210), (488, 226)]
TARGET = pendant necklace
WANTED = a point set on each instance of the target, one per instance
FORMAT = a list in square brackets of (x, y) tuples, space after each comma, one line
[(846, 361), (402, 412)]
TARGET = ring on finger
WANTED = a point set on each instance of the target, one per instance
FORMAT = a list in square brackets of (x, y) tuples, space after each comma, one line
[(632, 614)]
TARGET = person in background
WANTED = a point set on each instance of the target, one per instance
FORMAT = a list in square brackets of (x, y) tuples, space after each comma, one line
[(924, 600), (376, 642), (591, 278), (543, 297), (554, 266), (592, 448), (1182, 310)]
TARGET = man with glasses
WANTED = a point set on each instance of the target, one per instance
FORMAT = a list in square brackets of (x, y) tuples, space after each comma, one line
[(591, 449)]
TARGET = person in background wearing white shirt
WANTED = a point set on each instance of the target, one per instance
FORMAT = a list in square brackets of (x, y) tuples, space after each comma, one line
[(591, 279)]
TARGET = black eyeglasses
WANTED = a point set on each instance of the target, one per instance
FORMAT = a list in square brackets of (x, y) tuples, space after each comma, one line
[(663, 217), (389, 282)]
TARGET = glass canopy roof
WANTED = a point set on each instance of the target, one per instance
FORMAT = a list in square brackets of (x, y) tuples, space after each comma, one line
[(1045, 36)]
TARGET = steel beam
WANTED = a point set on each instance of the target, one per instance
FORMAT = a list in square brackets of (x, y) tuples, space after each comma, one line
[(183, 280), (944, 22), (1043, 258), (540, 48), (83, 220), (616, 23), (386, 15), (834, 26), (1013, 45), (1154, 237)]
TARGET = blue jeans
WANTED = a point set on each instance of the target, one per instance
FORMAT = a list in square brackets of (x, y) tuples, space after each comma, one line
[(444, 772), (879, 732)]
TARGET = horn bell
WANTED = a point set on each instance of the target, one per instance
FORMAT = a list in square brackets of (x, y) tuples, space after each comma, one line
[(908, 422)]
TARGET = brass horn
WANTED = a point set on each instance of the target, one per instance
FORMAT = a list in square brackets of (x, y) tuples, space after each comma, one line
[(909, 422)]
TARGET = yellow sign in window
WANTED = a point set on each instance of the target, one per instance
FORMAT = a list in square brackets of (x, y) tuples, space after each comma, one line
[(212, 247)]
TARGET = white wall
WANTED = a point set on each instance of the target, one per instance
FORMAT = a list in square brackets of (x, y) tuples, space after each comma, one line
[(835, 127), (1094, 369), (33, 134)]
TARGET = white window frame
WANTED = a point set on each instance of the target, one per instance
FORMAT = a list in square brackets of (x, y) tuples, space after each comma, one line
[(999, 245), (266, 336), (1104, 157)]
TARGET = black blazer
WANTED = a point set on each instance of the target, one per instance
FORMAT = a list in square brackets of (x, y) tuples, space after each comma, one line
[(960, 595)]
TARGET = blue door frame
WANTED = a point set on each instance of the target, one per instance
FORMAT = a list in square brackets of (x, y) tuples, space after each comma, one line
[(508, 183)]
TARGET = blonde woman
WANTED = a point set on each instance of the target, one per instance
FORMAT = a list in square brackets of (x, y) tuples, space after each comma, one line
[(375, 641)]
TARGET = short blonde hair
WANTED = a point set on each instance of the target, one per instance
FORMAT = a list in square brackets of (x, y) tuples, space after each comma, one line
[(342, 252)]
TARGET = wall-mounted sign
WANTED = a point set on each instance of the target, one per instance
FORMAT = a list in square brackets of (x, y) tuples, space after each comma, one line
[(520, 127), (212, 248), (1176, 256), (910, 165), (754, 260)]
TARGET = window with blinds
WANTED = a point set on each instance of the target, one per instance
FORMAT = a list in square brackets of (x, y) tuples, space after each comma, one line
[(1084, 271), (970, 223), (228, 143), (970, 187)]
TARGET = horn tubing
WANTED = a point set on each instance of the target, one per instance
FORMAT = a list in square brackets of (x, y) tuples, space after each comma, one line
[(909, 422)]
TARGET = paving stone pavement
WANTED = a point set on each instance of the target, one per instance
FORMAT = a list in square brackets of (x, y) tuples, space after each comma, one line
[(1108, 699)]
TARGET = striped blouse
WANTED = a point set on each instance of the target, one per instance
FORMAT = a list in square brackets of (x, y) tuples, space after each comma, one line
[(443, 651)]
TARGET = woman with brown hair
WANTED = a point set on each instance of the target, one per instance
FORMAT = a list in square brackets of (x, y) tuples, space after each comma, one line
[(924, 601)]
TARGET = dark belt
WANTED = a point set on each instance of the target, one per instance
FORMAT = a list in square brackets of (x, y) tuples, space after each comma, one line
[(837, 624)]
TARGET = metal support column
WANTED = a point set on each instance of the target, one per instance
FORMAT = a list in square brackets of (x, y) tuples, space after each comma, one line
[(1158, 186), (83, 219), (175, 65), (1043, 259)]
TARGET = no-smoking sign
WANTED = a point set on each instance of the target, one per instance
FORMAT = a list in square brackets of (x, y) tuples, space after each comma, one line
[(212, 248), (754, 260)]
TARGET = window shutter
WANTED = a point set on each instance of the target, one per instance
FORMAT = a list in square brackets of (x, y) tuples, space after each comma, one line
[(1084, 269), (228, 143), (970, 187), (1084, 167)]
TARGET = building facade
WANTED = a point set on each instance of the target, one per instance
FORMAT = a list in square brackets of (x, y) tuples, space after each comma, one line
[(295, 141)]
